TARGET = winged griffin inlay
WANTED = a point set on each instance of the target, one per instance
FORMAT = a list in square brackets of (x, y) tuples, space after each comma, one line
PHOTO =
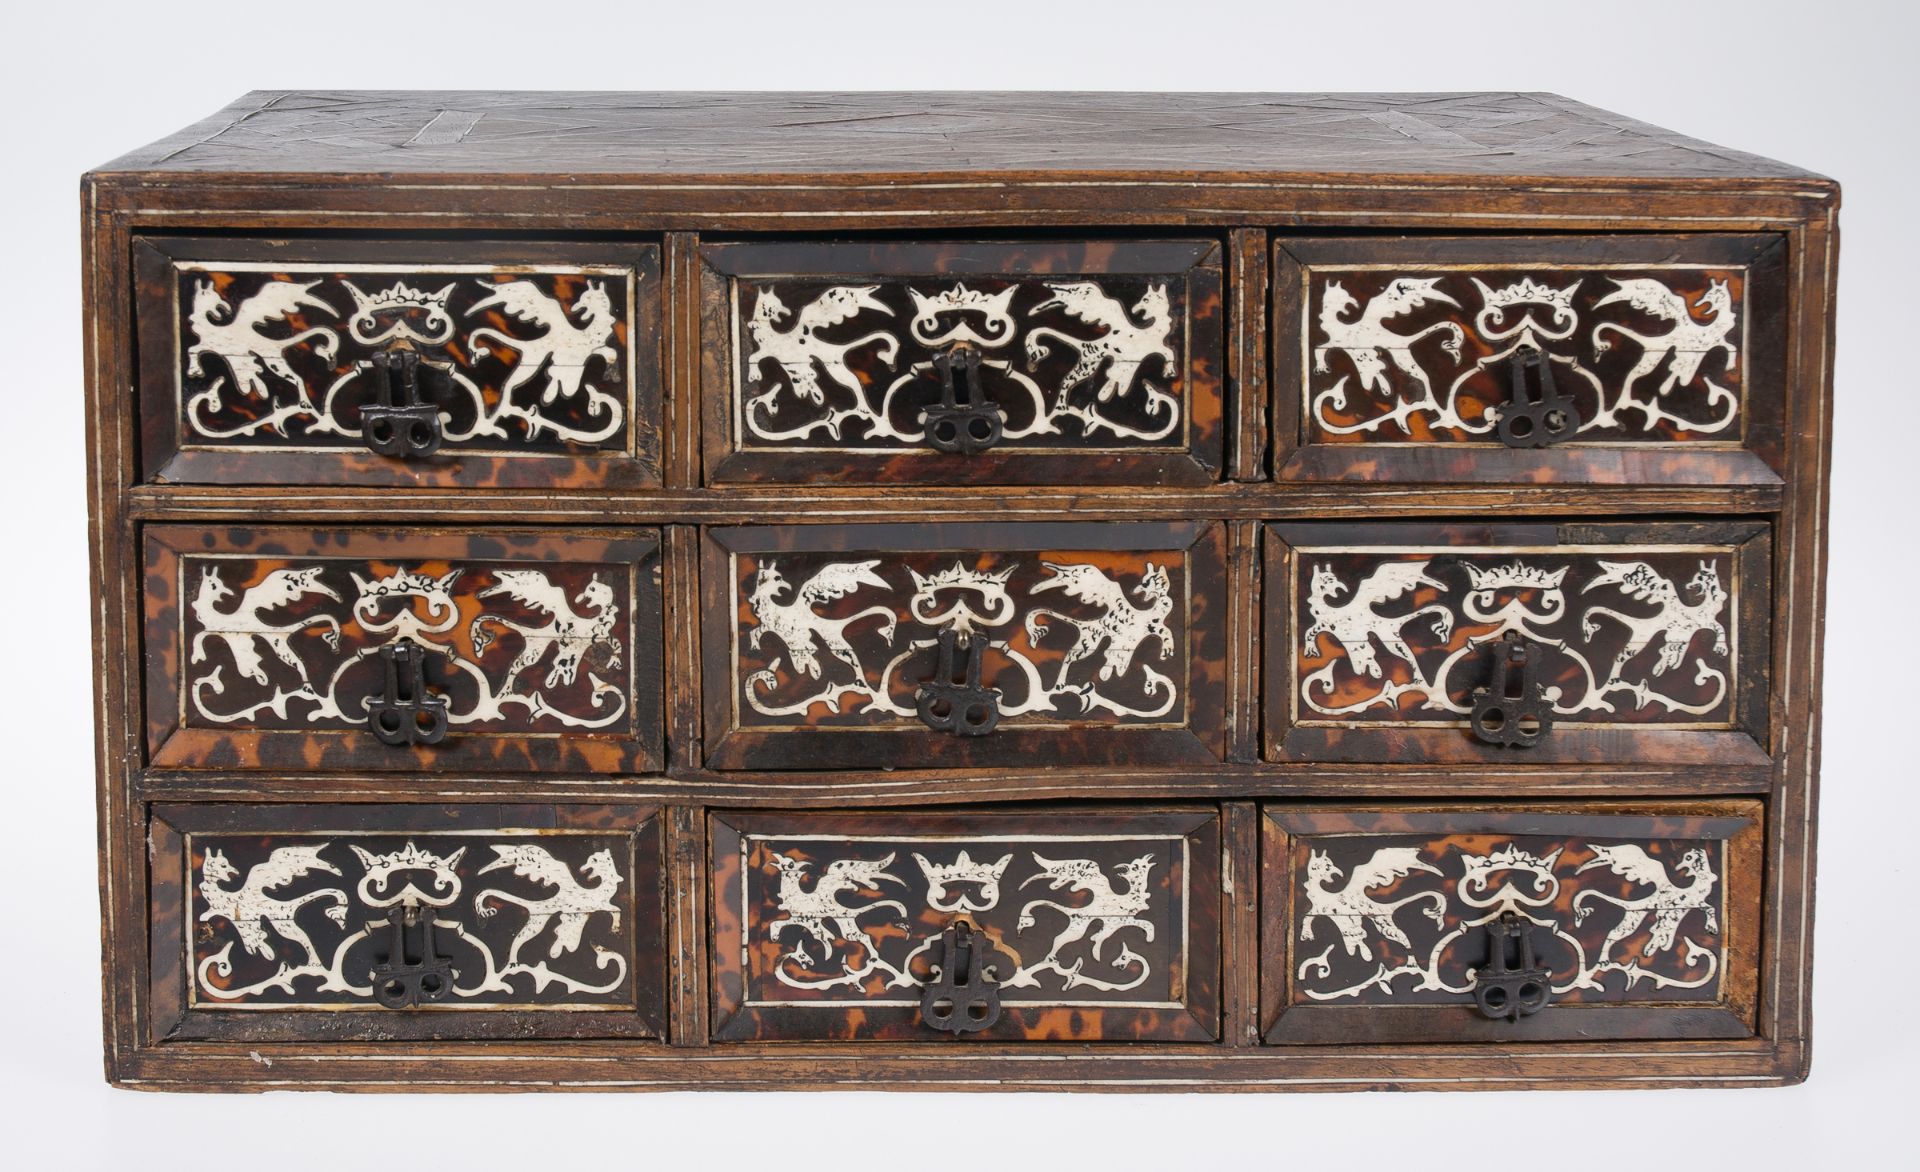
[(840, 643), (862, 923), (830, 365), (266, 916), (1458, 888), (328, 681), (1373, 375), (1432, 616), (569, 337)]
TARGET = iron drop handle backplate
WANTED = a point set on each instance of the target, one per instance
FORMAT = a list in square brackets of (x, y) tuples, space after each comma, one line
[(958, 703), (1512, 984), (405, 977), (402, 417), (1512, 710), (1535, 414), (406, 712), (963, 994), (965, 424)]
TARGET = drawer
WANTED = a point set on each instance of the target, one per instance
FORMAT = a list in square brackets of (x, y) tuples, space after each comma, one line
[(1089, 925), (503, 364), (356, 648), (1654, 360), (1518, 641), (958, 644), (344, 923), (1534, 923), (963, 362)]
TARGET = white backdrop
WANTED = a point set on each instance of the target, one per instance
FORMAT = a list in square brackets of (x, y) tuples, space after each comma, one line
[(1829, 86)]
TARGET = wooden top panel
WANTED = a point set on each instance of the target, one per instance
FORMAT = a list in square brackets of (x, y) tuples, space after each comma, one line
[(855, 134)]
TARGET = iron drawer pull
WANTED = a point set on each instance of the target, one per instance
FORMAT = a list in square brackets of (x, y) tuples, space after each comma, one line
[(967, 424), (1512, 984), (1536, 414), (1512, 710), (402, 418), (406, 713), (402, 980), (958, 704), (963, 995)]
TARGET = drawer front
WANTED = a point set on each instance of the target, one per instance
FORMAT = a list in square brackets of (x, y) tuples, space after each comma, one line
[(832, 926), (1064, 644), (274, 362), (1394, 924), (1644, 642), (1097, 362), (1395, 359), (281, 648), (285, 922)]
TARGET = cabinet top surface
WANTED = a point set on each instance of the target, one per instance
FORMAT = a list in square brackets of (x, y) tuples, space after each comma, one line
[(683, 134)]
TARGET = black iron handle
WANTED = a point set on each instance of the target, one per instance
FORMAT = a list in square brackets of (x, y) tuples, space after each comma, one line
[(963, 421), (1536, 414), (958, 702), (407, 977), (962, 996), (402, 416), (1512, 984), (1512, 711), (406, 712)]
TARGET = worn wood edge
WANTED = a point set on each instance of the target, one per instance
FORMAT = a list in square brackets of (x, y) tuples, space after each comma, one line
[(1800, 562), (797, 504), (1805, 185), (1247, 353), (680, 373), (686, 925), (897, 1066), (915, 788), (1240, 926)]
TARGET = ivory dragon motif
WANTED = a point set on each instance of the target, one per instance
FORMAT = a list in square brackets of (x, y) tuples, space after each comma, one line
[(305, 922)]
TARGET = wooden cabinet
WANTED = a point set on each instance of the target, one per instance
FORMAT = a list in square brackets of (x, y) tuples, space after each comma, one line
[(1030, 591)]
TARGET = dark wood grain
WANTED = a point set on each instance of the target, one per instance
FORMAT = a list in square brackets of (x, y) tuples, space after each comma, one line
[(675, 134)]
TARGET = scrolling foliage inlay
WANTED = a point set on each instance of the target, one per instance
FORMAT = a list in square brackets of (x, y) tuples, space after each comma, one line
[(536, 360), (1080, 637), (302, 920), (1628, 635), (280, 643), (1069, 361), (1409, 355), (1399, 919), (1093, 920)]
